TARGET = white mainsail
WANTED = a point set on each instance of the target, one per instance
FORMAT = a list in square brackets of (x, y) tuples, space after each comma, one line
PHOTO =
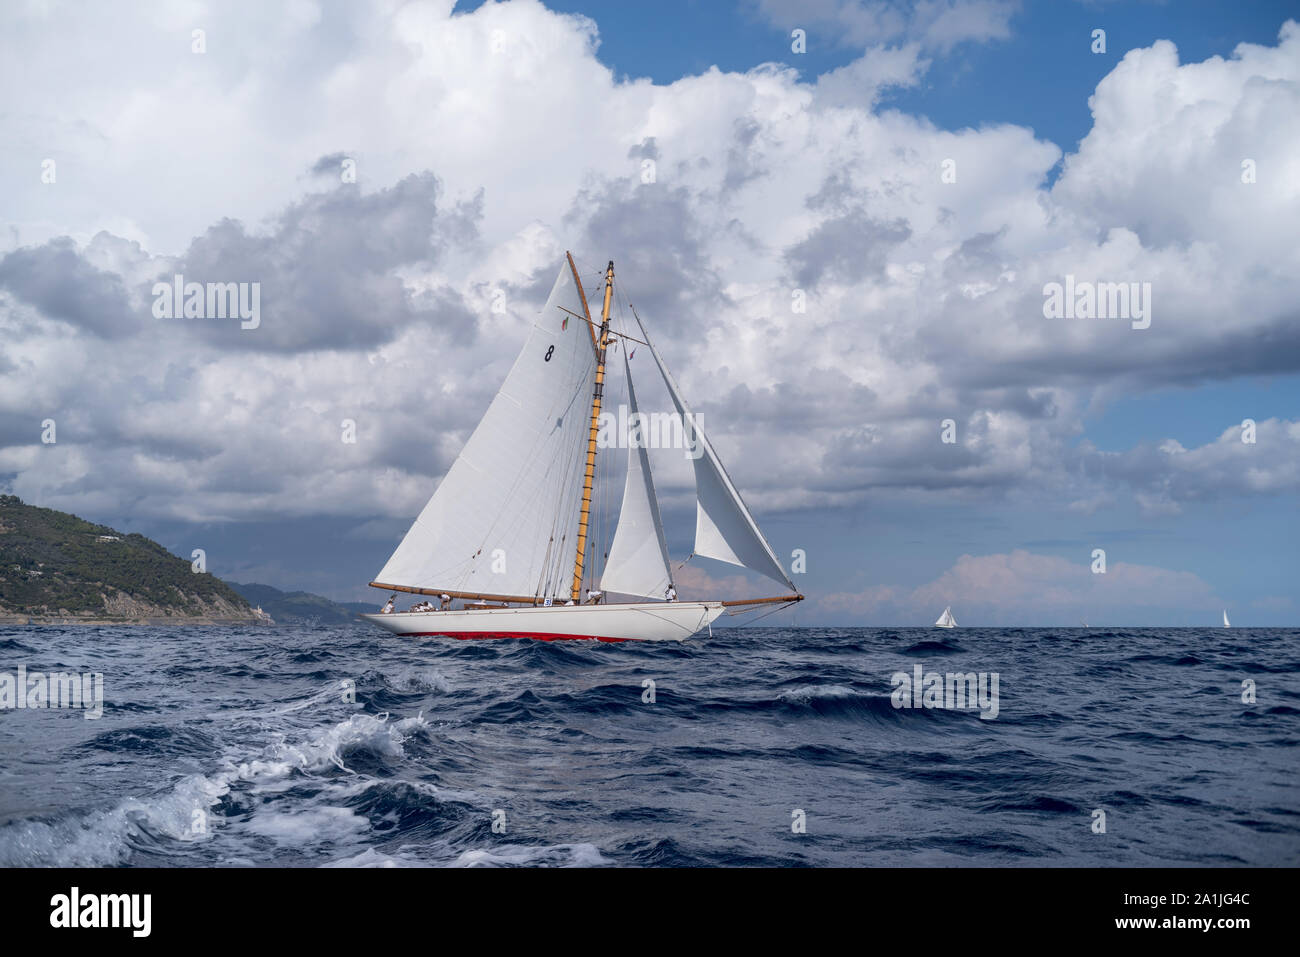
[(946, 620), (638, 556), (504, 519), (1225, 619), (724, 529)]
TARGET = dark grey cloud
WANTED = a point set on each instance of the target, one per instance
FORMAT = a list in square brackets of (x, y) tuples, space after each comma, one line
[(57, 280), (830, 399), (742, 164), (659, 249), (1177, 350), (328, 269), (846, 248), (648, 148), (330, 164)]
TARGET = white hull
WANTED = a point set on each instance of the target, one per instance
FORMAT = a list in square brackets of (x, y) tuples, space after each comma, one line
[(642, 621), (945, 626)]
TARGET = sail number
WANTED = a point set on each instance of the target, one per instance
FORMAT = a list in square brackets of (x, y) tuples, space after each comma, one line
[(549, 353)]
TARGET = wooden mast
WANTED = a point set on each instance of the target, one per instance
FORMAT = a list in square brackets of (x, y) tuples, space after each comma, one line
[(601, 342)]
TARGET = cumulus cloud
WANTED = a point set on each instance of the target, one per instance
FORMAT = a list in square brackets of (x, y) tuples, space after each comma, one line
[(60, 284), (1166, 476), (812, 279)]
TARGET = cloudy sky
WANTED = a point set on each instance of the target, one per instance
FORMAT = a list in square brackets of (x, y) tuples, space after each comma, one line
[(402, 180)]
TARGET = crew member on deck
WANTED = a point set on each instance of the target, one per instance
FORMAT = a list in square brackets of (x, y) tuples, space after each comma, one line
[(446, 603), (671, 593), (593, 597), (388, 607)]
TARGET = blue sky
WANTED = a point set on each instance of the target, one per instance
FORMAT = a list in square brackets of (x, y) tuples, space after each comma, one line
[(492, 138), (1040, 76)]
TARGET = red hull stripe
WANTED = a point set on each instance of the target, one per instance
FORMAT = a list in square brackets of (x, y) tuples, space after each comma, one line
[(539, 636)]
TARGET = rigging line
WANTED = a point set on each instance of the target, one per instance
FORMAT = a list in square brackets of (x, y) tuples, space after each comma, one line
[(750, 623), (623, 323), (566, 502), (596, 325), (569, 496), (669, 621)]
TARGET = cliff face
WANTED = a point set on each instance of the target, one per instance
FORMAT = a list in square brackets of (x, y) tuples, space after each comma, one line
[(55, 567), (216, 608)]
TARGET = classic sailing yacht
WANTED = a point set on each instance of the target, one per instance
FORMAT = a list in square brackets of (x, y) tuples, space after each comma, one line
[(946, 620), (507, 529), (1225, 619)]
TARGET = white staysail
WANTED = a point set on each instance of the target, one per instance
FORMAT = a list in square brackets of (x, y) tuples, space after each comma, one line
[(1225, 619), (504, 519), (724, 529), (946, 620), (638, 556)]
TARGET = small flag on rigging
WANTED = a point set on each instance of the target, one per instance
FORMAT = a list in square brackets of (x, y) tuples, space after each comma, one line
[(565, 324)]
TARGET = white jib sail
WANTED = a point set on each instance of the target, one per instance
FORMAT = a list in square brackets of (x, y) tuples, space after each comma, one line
[(638, 556), (505, 518), (724, 529), (946, 620)]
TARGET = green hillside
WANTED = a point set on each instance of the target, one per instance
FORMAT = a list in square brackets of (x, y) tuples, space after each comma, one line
[(55, 564)]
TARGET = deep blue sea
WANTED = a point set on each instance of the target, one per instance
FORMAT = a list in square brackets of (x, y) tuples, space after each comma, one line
[(240, 747)]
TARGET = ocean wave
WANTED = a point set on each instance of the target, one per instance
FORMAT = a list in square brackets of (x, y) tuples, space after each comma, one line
[(283, 764), (933, 646), (110, 837), (519, 855)]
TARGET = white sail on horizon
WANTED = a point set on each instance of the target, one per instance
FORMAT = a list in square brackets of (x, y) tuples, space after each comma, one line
[(504, 519), (724, 528), (637, 563), (1225, 619), (946, 620)]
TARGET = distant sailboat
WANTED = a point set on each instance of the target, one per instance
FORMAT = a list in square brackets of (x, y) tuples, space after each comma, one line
[(1226, 624), (508, 525), (946, 620)]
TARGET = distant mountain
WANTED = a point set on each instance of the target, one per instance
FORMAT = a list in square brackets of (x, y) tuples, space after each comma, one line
[(56, 567), (362, 607), (300, 607)]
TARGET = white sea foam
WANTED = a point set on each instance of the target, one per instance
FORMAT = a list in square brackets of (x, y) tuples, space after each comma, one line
[(372, 858), (806, 693), (104, 838), (418, 679), (557, 855), (303, 827), (515, 855)]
